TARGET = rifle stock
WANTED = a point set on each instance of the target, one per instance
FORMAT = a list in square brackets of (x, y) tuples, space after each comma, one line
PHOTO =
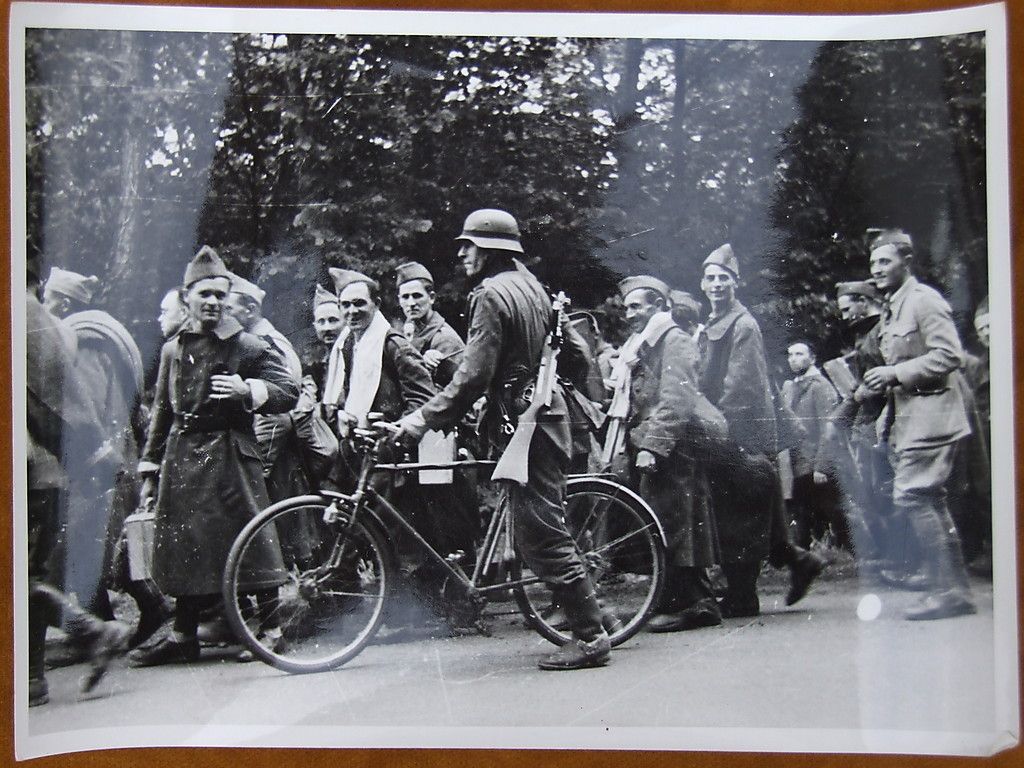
[(514, 463)]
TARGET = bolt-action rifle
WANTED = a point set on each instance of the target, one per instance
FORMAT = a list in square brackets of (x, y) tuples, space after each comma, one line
[(514, 462)]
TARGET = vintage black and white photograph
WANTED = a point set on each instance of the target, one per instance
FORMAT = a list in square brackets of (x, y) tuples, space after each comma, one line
[(513, 380)]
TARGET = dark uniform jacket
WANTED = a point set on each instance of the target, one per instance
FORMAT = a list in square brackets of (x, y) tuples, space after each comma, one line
[(734, 377), (405, 382), (509, 317), (211, 477), (436, 334), (663, 398)]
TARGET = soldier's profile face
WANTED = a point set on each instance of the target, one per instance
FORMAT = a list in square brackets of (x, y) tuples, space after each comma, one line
[(852, 307), (172, 314), (241, 310), (357, 306), (718, 284), (981, 328), (415, 299), (205, 300), (889, 269), (639, 308), (799, 357), (327, 322), (472, 259)]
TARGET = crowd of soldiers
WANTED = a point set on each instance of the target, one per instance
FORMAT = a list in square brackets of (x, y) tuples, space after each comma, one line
[(686, 414)]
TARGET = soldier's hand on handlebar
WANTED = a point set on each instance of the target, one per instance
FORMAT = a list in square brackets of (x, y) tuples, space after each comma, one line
[(410, 428)]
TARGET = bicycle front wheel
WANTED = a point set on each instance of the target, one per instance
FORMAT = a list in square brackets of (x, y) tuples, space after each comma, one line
[(619, 541), (304, 595)]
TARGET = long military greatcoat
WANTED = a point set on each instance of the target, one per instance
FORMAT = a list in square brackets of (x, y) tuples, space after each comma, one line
[(734, 377), (211, 478), (663, 392)]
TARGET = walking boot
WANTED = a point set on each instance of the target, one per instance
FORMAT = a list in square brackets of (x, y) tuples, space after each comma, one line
[(804, 569), (167, 651), (154, 610), (590, 646), (941, 606), (38, 690), (704, 613)]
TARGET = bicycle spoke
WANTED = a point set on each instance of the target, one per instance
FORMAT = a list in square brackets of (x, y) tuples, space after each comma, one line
[(624, 537)]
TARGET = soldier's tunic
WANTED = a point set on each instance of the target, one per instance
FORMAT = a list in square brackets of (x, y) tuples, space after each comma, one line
[(509, 314), (436, 334), (734, 377), (928, 419), (211, 477), (663, 392), (920, 341)]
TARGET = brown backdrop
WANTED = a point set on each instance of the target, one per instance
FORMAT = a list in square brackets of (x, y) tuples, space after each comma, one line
[(389, 758)]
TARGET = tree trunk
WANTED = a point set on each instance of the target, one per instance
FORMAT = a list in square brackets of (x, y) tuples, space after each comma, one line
[(127, 221)]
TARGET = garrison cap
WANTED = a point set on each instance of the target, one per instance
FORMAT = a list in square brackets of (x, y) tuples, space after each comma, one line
[(344, 277), (205, 264), (724, 257), (242, 286), (323, 296), (882, 237), (72, 284), (492, 228), (412, 270), (632, 283), (863, 288)]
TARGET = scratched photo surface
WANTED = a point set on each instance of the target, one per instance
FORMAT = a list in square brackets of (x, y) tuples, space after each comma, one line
[(810, 225)]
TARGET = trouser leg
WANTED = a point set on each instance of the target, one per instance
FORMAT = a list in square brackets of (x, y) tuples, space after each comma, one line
[(741, 592)]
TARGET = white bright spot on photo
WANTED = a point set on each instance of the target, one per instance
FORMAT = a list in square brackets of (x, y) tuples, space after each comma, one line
[(869, 607)]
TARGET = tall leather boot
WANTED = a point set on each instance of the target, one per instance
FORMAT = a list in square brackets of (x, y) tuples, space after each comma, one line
[(944, 565), (590, 646)]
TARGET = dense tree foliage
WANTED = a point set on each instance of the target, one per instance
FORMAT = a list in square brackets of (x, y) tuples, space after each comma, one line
[(293, 153)]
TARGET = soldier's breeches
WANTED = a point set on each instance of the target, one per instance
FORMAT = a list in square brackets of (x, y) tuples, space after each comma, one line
[(921, 473), (538, 516)]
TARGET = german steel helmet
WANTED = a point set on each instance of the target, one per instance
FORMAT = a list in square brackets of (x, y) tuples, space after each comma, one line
[(491, 228)]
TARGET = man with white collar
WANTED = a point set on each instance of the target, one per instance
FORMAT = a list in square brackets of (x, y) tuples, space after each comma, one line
[(201, 457), (327, 324), (655, 380), (425, 328), (811, 398), (925, 418)]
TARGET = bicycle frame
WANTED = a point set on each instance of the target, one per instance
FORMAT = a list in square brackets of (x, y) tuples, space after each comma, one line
[(500, 522)]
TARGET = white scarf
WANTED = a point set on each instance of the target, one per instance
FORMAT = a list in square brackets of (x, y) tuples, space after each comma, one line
[(622, 377), (367, 363), (622, 371)]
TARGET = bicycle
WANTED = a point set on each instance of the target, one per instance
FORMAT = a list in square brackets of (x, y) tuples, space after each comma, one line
[(330, 598)]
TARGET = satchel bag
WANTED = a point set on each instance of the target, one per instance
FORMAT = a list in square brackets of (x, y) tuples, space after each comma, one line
[(317, 442)]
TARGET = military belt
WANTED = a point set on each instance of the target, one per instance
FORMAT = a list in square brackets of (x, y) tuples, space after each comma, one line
[(198, 422)]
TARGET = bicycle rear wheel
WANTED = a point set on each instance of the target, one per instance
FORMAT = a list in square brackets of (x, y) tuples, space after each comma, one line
[(326, 602), (619, 540)]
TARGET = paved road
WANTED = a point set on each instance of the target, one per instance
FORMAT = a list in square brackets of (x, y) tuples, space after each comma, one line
[(816, 668)]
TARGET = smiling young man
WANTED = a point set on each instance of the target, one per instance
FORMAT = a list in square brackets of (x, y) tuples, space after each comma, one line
[(745, 483), (925, 417), (201, 458)]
